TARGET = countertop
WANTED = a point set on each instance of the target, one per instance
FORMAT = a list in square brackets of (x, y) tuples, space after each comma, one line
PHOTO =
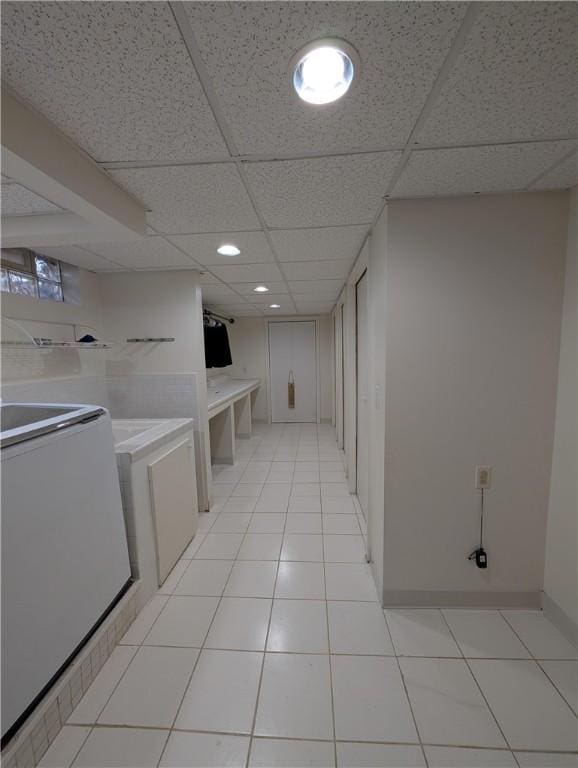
[(154, 433), (230, 391)]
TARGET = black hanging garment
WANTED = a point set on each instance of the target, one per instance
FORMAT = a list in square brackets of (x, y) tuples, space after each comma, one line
[(217, 349)]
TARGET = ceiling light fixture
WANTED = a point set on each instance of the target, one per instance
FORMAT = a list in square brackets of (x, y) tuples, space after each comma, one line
[(261, 289), (274, 306), (323, 71), (228, 249)]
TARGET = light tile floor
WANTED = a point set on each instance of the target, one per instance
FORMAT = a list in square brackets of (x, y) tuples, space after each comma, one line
[(266, 646)]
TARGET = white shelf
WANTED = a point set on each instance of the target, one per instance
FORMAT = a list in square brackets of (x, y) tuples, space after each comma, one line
[(56, 345)]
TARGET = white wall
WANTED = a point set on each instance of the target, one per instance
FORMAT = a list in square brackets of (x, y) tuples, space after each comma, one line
[(472, 328), (161, 304), (377, 265), (561, 574), (249, 350), (152, 304), (326, 363), (55, 320)]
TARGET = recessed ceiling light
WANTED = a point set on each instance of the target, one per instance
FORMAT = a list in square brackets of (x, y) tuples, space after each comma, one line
[(261, 289), (228, 249), (323, 71), (274, 306)]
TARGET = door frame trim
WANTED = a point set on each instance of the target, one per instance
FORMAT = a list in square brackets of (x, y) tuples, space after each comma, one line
[(356, 360), (304, 319), (350, 352)]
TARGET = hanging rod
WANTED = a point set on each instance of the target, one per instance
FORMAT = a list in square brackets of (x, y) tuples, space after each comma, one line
[(208, 313), (149, 339)]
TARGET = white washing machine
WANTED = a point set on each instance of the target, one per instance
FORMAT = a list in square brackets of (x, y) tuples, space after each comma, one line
[(64, 548)]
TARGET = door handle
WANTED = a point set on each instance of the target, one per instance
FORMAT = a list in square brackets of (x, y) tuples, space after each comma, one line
[(291, 390)]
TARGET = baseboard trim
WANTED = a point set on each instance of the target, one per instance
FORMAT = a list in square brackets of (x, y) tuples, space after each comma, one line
[(560, 618), (414, 598)]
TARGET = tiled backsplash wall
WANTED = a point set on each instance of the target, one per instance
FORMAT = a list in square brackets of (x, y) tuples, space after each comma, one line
[(91, 390), (151, 396), (134, 396), (23, 364)]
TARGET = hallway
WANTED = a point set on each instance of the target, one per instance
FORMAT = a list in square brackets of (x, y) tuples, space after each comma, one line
[(278, 566)]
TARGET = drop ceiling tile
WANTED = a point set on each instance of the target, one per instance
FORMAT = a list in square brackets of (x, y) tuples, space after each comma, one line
[(230, 306), (203, 248), (19, 201), (148, 253), (248, 273), (268, 298), (321, 191), (191, 199), (247, 288), (301, 302), (80, 257), (245, 312), (316, 296), (515, 78), (467, 170), (319, 244), (285, 309), (315, 308), (218, 293), (205, 278), (317, 270), (249, 313), (247, 48), (315, 286), (115, 77), (563, 176)]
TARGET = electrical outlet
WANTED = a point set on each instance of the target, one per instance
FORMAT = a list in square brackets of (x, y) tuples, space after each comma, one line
[(483, 478)]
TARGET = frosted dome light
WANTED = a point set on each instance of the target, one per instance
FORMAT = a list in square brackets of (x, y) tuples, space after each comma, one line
[(228, 249)]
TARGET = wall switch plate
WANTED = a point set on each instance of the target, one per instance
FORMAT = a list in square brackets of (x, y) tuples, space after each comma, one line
[(483, 478)]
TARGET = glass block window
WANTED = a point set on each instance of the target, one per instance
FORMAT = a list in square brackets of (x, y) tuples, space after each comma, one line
[(23, 284), (47, 269), (28, 273), (48, 290)]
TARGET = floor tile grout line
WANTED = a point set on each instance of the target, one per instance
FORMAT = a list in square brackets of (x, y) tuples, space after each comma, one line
[(315, 653), (537, 661), (257, 699), (481, 747), (189, 681), (331, 690), (118, 682), (304, 599), (426, 762), (81, 747), (168, 736), (574, 712), (479, 687)]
